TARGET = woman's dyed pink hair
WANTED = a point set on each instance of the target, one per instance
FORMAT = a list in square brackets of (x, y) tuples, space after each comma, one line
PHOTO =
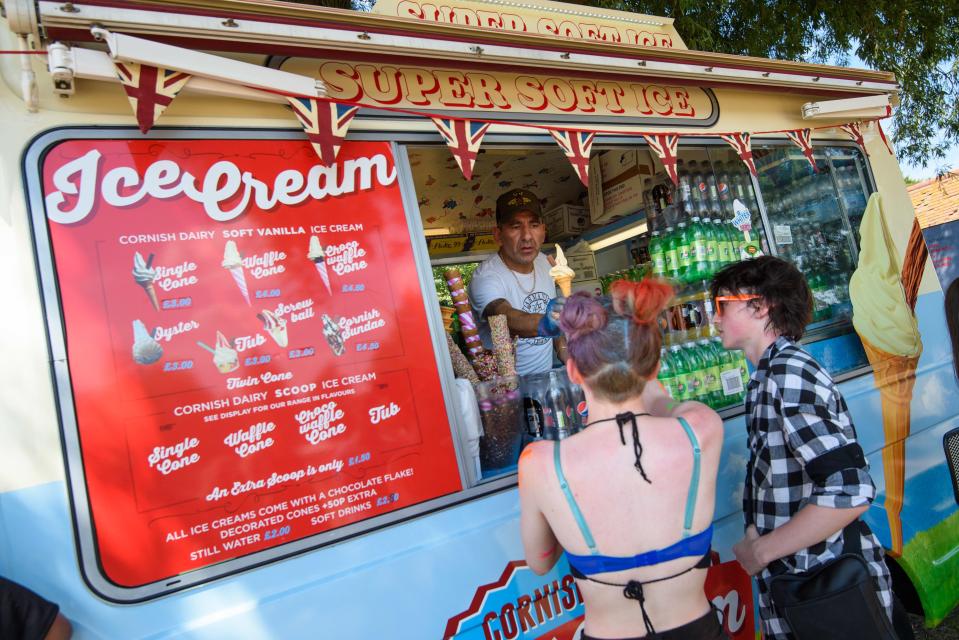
[(615, 341)]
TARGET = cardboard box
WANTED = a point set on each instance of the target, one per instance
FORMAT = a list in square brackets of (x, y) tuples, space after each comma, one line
[(584, 264), (616, 182), (565, 221), (594, 287)]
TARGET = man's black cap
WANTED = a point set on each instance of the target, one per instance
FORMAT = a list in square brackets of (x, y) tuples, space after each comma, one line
[(516, 201)]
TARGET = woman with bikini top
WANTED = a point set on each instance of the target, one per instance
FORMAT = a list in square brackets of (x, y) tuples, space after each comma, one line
[(629, 500)]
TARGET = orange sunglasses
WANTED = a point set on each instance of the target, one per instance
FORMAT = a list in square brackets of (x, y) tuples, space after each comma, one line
[(720, 300)]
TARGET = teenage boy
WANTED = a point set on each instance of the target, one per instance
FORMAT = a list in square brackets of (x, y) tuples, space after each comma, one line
[(807, 478)]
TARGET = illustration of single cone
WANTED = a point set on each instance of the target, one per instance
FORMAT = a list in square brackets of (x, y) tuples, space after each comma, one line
[(895, 378), (144, 274)]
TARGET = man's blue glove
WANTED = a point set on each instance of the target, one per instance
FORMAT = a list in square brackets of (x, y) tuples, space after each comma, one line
[(549, 324)]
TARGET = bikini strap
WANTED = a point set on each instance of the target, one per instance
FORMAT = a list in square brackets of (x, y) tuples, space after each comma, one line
[(571, 501), (694, 479)]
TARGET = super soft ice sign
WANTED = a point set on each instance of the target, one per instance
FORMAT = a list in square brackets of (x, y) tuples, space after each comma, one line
[(242, 347)]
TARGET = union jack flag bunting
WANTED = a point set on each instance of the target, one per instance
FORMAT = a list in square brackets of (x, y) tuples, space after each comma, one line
[(325, 124), (149, 89), (853, 131), (576, 146), (463, 138), (665, 145), (740, 142), (802, 139)]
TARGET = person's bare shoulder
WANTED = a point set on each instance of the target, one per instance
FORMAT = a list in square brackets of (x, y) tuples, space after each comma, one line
[(705, 422), (59, 630), (533, 461)]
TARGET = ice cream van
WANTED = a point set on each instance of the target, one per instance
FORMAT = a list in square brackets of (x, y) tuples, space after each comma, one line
[(233, 405)]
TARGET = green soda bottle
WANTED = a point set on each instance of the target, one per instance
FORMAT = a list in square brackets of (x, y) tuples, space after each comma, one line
[(680, 372), (729, 377), (743, 365), (657, 255), (714, 389), (666, 373), (671, 254), (700, 251), (712, 247), (684, 249), (697, 371), (725, 242)]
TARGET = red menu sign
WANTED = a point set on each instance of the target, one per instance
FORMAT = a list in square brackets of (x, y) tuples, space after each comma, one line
[(247, 344)]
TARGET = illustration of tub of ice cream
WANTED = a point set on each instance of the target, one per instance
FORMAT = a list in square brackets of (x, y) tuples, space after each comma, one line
[(146, 350), (887, 325), (225, 357)]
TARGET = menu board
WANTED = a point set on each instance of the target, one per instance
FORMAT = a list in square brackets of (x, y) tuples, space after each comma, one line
[(247, 345)]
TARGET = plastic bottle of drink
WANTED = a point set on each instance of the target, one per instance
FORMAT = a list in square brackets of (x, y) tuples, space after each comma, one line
[(699, 269), (560, 407), (670, 254), (700, 188), (697, 371), (729, 379), (684, 246), (743, 365), (666, 373), (694, 199), (713, 193), (657, 255), (714, 390), (685, 188), (725, 188), (723, 242), (680, 372), (712, 246)]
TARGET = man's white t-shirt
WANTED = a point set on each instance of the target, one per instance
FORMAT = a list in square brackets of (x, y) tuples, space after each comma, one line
[(527, 292)]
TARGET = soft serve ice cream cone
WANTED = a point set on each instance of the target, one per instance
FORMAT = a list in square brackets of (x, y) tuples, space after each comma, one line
[(233, 262), (145, 276), (561, 273), (146, 350), (890, 336), (275, 326), (318, 257)]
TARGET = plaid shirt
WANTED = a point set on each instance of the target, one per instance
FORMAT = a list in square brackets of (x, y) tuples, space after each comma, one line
[(795, 413)]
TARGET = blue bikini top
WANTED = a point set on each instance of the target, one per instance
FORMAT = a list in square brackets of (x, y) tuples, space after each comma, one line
[(695, 545)]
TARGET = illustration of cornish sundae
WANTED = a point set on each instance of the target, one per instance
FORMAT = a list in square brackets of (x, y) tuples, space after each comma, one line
[(318, 257), (334, 336), (225, 357), (234, 262), (561, 273), (146, 350), (145, 277), (275, 325), (887, 326)]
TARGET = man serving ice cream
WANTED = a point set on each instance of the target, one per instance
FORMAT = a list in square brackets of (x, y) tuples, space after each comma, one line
[(518, 282)]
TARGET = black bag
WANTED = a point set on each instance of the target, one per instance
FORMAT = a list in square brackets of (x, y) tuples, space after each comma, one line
[(835, 601)]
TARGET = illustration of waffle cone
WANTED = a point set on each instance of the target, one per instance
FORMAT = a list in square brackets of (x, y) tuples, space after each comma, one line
[(318, 256), (234, 263), (895, 378), (884, 318)]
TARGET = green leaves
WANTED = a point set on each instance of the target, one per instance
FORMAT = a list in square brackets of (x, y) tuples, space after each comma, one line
[(915, 39)]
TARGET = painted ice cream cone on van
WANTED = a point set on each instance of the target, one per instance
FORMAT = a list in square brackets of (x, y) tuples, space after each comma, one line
[(890, 336)]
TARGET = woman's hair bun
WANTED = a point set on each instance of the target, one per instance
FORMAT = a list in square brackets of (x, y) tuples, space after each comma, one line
[(582, 314), (642, 301)]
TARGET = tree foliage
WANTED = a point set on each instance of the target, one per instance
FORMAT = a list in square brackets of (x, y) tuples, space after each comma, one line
[(917, 40)]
